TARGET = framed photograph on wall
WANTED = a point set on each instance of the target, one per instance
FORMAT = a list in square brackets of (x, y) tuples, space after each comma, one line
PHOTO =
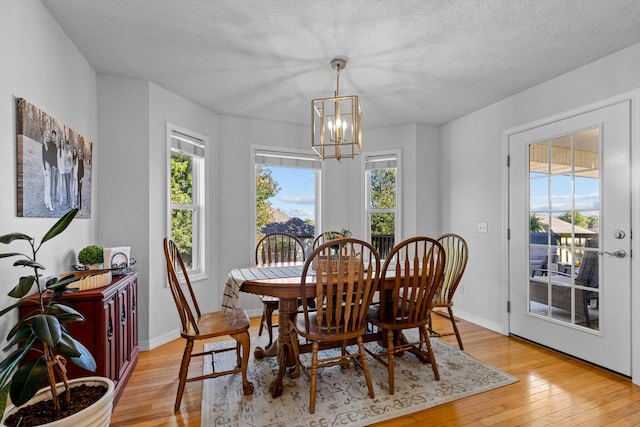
[(53, 165)]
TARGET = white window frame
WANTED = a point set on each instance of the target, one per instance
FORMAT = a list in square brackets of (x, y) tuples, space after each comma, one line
[(191, 143), (381, 157), (285, 157)]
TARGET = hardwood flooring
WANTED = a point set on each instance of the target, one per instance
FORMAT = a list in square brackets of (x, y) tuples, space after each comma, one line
[(553, 389)]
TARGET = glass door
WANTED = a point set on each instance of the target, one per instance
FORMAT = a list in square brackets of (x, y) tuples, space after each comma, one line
[(569, 217)]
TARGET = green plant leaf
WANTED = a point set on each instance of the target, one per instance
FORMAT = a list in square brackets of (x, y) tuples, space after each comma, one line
[(8, 238), (9, 308), (23, 322), (85, 360), (51, 282), (47, 329), (9, 254), (61, 225), (11, 362), (67, 346), (27, 380), (28, 263), (65, 313), (22, 333), (4, 393), (61, 283), (23, 287)]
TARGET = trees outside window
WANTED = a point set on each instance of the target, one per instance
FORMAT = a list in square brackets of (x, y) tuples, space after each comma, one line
[(382, 200), (186, 194)]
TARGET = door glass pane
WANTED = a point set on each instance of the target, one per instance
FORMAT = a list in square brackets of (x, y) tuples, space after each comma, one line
[(564, 212)]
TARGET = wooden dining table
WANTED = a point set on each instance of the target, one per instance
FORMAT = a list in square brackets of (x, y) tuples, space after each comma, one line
[(287, 290)]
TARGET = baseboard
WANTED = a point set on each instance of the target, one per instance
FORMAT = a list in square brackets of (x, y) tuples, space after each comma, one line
[(493, 326), (158, 341)]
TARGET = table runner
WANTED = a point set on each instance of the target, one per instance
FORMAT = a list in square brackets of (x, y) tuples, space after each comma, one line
[(239, 275)]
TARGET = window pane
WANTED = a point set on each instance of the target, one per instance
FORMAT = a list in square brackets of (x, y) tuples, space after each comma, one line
[(383, 227), (181, 178), (285, 201), (383, 189), (182, 234)]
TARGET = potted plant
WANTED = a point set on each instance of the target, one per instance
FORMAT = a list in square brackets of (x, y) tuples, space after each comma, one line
[(91, 256), (43, 332)]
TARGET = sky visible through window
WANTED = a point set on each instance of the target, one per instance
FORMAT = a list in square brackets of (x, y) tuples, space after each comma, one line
[(586, 195), (296, 197)]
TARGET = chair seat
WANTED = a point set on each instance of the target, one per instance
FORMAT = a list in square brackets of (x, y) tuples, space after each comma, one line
[(217, 323), (441, 301), (373, 316), (322, 333)]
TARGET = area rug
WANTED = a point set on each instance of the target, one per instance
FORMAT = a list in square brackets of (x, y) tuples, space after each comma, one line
[(342, 397)]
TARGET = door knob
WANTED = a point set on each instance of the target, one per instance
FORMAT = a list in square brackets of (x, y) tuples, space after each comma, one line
[(618, 253)]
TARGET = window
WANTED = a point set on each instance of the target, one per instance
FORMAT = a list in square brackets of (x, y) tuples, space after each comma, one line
[(286, 192), (186, 196), (382, 198)]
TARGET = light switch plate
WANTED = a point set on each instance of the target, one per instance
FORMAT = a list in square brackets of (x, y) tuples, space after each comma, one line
[(481, 227)]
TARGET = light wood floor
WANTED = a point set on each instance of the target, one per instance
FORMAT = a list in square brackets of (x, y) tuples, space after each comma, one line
[(553, 389)]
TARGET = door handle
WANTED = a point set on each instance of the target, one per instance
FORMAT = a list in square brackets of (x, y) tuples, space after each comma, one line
[(618, 253)]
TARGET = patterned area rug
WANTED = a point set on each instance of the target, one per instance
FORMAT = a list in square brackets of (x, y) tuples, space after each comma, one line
[(342, 397)]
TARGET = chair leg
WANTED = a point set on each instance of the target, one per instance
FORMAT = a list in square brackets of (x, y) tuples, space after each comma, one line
[(455, 327), (365, 367), (182, 376), (432, 357), (244, 341), (390, 360), (314, 377)]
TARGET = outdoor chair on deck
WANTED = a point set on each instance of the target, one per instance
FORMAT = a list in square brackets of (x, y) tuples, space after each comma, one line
[(276, 247), (457, 254), (417, 265), (344, 284), (197, 326)]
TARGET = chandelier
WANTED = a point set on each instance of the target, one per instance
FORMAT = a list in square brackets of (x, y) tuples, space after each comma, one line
[(336, 123)]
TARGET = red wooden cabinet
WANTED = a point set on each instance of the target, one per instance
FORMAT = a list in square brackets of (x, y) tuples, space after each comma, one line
[(110, 331)]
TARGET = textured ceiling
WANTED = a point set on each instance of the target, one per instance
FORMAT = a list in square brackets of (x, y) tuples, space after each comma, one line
[(410, 61)]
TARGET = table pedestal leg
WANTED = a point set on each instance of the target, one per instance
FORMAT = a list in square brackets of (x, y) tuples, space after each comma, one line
[(282, 347)]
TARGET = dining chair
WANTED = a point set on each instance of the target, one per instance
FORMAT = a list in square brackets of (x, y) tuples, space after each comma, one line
[(456, 255), (197, 326), (343, 285), (417, 266), (325, 237), (271, 248)]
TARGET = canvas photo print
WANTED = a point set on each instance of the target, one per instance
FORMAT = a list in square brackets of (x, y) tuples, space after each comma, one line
[(53, 166)]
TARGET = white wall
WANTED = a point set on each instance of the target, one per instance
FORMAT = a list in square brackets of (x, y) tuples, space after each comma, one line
[(472, 178), (123, 190), (40, 65), (133, 117)]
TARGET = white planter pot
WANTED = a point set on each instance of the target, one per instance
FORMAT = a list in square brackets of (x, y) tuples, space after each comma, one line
[(98, 414)]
